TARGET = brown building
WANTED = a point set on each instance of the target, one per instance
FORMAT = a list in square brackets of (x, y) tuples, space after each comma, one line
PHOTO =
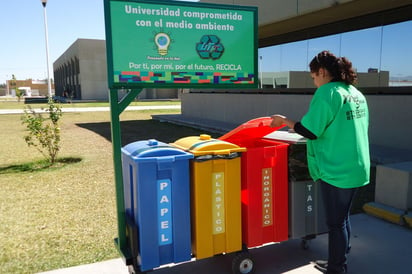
[(29, 86)]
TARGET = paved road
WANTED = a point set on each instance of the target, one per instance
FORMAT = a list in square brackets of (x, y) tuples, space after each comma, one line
[(86, 109), (378, 247)]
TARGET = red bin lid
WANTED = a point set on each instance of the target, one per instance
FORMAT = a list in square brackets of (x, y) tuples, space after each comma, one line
[(253, 129)]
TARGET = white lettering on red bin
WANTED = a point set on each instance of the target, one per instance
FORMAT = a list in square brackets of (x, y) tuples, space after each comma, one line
[(267, 204)]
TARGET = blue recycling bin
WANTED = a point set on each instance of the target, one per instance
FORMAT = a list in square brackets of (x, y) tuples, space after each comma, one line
[(157, 202)]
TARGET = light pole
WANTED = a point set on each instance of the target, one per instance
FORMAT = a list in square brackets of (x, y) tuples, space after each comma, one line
[(44, 2), (261, 72)]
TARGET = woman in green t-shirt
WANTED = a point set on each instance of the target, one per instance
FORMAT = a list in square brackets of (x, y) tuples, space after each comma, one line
[(336, 126)]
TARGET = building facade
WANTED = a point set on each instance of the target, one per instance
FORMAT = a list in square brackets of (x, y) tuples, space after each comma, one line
[(302, 79), (80, 73)]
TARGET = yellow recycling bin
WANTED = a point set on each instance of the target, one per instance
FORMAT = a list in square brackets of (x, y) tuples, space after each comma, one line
[(215, 195)]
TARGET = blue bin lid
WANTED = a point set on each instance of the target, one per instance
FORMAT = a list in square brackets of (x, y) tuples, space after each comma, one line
[(153, 149)]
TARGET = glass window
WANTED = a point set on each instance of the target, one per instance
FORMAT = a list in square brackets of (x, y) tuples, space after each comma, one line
[(385, 49)]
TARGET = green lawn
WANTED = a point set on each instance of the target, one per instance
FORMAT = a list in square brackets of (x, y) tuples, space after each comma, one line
[(66, 216)]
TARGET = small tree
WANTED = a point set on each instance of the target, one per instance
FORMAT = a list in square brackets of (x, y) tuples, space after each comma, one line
[(19, 94), (13, 85), (44, 133)]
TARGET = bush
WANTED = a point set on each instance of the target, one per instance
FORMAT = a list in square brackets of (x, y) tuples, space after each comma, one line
[(44, 133)]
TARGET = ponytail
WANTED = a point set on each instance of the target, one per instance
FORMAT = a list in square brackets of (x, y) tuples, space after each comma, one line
[(347, 73), (340, 68)]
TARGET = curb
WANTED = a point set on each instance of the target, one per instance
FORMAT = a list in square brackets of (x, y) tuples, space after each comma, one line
[(393, 215), (408, 219)]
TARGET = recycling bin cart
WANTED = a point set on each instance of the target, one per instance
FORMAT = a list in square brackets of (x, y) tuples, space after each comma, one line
[(264, 183), (215, 188), (157, 203), (307, 216)]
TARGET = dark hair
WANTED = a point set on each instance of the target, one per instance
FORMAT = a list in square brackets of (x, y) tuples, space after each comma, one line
[(340, 68)]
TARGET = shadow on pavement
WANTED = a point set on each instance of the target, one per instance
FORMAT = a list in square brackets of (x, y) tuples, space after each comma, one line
[(139, 130)]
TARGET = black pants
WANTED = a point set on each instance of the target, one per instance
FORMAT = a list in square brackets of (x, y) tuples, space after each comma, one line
[(337, 202)]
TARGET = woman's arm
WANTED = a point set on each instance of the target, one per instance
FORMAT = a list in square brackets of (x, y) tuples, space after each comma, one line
[(278, 120)]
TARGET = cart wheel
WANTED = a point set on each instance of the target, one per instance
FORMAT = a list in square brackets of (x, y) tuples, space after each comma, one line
[(131, 269), (242, 263), (304, 244), (134, 268)]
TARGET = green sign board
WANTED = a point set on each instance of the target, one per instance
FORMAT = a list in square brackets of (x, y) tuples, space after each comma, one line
[(180, 44)]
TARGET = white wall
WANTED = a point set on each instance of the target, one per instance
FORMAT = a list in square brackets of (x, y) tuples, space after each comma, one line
[(93, 69)]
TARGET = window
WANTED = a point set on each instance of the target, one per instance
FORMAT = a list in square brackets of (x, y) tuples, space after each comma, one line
[(385, 49)]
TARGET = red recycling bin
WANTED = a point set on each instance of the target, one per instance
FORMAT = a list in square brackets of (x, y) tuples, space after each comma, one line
[(264, 183)]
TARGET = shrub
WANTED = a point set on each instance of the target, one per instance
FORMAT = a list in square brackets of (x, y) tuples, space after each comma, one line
[(44, 133)]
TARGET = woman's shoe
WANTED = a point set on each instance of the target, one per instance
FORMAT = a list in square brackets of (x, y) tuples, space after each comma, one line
[(322, 265)]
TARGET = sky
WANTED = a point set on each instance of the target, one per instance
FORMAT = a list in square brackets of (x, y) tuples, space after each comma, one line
[(23, 46)]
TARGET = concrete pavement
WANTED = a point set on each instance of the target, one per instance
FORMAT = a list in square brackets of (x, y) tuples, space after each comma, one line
[(85, 109), (378, 247)]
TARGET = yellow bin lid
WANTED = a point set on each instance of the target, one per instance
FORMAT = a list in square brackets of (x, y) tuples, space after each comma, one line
[(205, 145)]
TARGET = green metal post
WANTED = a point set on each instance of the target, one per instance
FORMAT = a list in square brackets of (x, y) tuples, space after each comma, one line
[(118, 176), (116, 108)]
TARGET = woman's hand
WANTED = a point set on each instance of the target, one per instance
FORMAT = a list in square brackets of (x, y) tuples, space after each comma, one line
[(277, 120)]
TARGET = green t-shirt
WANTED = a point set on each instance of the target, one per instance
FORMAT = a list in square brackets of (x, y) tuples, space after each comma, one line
[(338, 115)]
